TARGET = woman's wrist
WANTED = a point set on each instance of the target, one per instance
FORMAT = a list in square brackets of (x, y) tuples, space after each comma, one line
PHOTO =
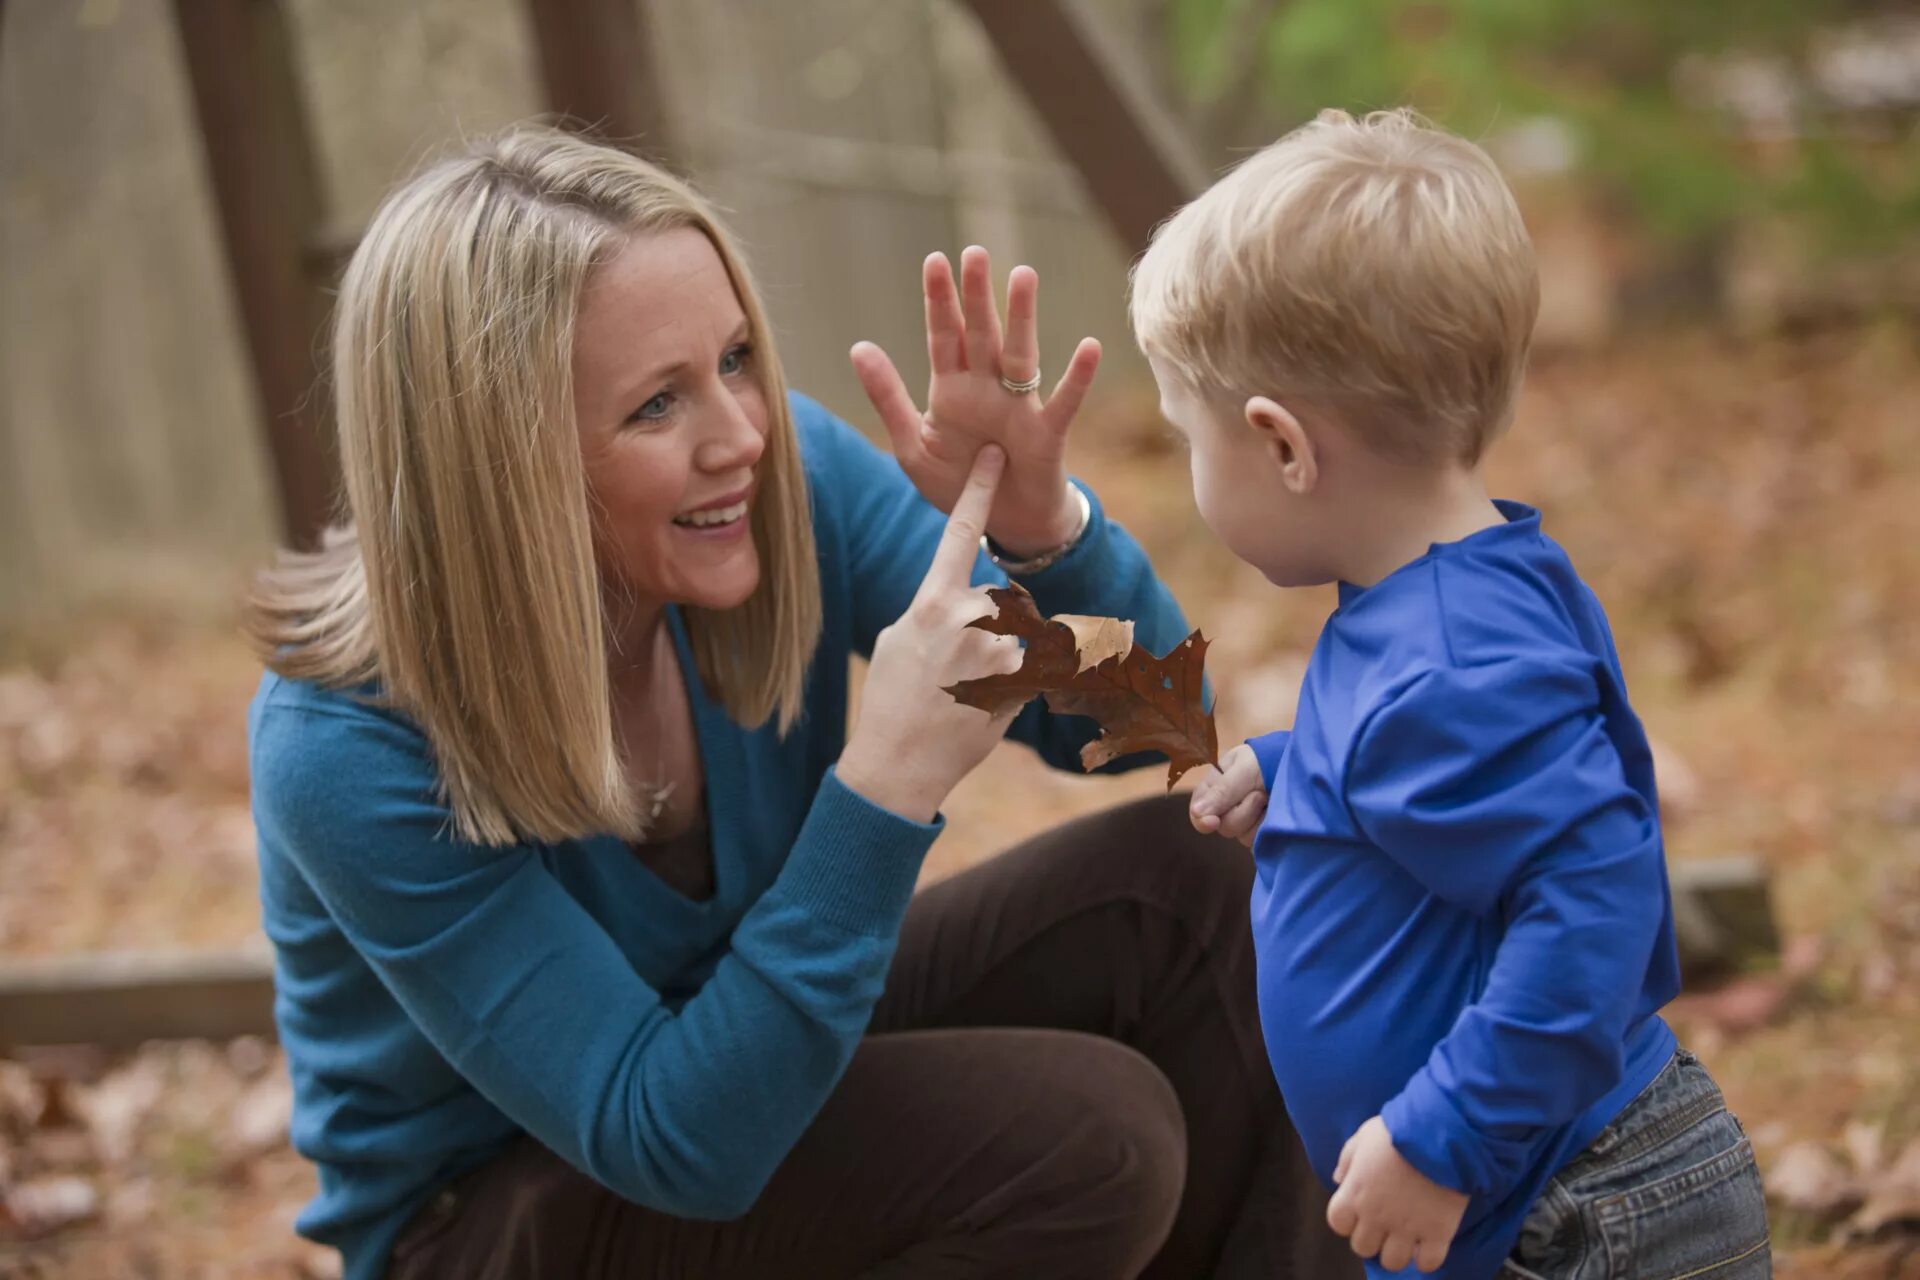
[(1033, 552), (887, 785)]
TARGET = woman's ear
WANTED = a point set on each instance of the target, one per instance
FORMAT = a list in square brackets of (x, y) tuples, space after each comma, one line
[(1286, 441)]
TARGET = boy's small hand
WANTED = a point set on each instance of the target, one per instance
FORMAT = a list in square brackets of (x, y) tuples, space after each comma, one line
[(1386, 1207), (1230, 802)]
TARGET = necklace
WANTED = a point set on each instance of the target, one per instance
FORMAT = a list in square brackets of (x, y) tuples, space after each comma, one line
[(654, 797)]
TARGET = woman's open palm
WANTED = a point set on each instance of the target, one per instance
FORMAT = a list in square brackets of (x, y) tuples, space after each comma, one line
[(969, 406)]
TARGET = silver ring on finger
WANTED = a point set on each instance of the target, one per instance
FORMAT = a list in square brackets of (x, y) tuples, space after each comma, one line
[(1021, 388)]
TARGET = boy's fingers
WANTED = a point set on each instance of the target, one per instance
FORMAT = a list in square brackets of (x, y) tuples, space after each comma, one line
[(1245, 815), (1366, 1239), (1396, 1252), (1341, 1215), (1429, 1255)]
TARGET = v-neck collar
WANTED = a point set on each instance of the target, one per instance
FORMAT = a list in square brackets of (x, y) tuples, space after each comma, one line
[(718, 749)]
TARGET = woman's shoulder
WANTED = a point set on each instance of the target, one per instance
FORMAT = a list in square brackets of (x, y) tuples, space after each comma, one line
[(311, 744)]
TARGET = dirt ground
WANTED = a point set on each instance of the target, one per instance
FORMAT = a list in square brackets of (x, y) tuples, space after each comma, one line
[(1750, 514)]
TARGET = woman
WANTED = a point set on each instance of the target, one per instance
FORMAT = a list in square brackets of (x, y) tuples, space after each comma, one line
[(595, 949)]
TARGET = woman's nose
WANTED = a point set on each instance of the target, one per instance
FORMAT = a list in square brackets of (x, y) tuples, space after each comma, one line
[(735, 440)]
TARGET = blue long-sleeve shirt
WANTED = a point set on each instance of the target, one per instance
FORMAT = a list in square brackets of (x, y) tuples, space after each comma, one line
[(437, 998), (1461, 909)]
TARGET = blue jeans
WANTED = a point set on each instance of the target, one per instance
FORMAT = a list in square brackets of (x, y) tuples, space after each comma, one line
[(1668, 1191)]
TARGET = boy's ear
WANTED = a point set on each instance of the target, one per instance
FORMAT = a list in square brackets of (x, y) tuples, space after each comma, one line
[(1286, 442)]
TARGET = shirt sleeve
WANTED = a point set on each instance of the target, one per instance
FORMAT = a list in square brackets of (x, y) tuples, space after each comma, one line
[(1268, 749), (1497, 787), (531, 1001), (891, 533)]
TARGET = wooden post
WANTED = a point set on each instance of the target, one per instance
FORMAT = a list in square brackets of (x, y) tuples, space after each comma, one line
[(265, 184), (1102, 115), (600, 68)]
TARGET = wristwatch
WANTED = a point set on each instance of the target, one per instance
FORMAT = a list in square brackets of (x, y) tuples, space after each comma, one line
[(1046, 559)]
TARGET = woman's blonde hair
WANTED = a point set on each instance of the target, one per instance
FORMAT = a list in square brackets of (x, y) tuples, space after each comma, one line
[(1377, 269), (465, 581)]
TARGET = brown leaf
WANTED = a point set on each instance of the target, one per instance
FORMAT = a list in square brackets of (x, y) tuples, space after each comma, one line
[(1142, 703), (1051, 657), (1097, 638)]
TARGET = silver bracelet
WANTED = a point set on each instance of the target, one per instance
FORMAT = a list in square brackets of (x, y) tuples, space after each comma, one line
[(1046, 559)]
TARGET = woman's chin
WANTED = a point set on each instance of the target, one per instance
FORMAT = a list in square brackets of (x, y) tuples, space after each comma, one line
[(729, 588)]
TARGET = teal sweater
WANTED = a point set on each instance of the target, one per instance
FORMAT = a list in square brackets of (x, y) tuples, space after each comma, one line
[(436, 998)]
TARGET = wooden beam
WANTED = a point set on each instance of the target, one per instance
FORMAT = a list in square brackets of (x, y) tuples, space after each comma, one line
[(1128, 150), (266, 187), (599, 65), (118, 999)]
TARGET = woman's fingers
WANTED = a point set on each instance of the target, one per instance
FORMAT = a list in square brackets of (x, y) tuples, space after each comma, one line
[(946, 328), (1020, 353), (1430, 1254), (1396, 1252), (891, 400), (977, 305), (953, 559), (1073, 385)]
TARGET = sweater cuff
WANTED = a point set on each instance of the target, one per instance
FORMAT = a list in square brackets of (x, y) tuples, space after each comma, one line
[(854, 864), (1267, 749), (1433, 1136)]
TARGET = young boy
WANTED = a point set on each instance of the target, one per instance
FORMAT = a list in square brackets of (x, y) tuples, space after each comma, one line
[(1461, 908)]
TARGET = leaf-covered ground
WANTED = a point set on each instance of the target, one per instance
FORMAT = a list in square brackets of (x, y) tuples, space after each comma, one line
[(1750, 515)]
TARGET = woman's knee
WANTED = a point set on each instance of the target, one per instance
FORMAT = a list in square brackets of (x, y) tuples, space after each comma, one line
[(1118, 1162)]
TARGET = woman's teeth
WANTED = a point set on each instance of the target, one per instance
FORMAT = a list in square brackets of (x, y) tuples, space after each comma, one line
[(717, 515)]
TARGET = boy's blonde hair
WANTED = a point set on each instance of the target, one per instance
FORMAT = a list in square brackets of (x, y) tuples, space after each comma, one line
[(466, 582), (1375, 269)]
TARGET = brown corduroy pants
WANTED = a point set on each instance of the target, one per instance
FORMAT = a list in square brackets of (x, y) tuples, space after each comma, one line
[(1065, 1078)]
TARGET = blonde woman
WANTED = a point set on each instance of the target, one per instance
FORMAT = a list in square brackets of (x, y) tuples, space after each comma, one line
[(596, 953)]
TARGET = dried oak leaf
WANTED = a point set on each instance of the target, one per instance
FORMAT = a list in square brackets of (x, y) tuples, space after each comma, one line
[(1091, 667)]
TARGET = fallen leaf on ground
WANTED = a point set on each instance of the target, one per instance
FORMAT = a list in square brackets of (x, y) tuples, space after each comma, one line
[(1808, 1177), (1893, 1197), (46, 1205), (1142, 703)]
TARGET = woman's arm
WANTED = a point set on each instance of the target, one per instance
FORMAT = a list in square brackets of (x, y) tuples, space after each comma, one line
[(889, 530), (688, 1110), (524, 993)]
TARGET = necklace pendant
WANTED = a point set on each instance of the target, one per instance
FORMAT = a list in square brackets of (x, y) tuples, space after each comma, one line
[(657, 804)]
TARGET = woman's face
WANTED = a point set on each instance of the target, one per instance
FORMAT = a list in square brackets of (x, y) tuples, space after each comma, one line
[(672, 421)]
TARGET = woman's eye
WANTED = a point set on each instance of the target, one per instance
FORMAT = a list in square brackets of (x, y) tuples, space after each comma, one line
[(735, 359), (653, 410)]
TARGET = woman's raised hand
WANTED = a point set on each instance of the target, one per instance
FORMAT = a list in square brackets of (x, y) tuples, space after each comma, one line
[(913, 743), (968, 404)]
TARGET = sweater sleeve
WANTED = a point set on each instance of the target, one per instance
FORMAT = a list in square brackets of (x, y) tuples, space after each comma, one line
[(687, 1111), (1497, 788), (891, 533)]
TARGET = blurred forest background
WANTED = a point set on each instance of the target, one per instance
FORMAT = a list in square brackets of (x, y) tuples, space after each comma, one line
[(1720, 427)]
